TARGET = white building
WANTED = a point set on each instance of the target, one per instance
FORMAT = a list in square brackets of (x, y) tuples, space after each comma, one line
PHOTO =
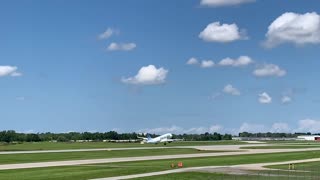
[(309, 138)]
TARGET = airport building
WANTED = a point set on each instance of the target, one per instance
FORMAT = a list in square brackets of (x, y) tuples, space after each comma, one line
[(302, 138), (309, 138)]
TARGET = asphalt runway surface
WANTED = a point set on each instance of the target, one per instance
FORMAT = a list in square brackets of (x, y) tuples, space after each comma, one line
[(210, 147)]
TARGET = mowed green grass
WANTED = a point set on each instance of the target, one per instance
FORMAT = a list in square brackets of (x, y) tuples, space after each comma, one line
[(45, 157), (82, 172), (89, 145), (309, 168), (282, 147), (292, 142), (207, 176)]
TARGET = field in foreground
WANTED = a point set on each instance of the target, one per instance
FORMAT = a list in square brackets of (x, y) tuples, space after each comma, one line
[(210, 176), (46, 157), (303, 146), (82, 172), (301, 171), (89, 145)]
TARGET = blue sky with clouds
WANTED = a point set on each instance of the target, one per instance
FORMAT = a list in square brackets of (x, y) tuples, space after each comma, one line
[(160, 66)]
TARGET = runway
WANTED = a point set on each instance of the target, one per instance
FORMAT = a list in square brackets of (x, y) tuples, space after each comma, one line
[(211, 147), (233, 148)]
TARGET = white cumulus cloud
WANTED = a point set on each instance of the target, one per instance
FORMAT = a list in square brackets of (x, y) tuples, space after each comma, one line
[(207, 63), (148, 75), (192, 61), (219, 3), (269, 70), (180, 130), (264, 98), (121, 46), (215, 128), (229, 89), (294, 28), (240, 61), (248, 127), (223, 33), (9, 71), (280, 128), (309, 125)]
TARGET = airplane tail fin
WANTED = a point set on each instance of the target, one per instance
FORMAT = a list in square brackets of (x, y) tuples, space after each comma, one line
[(148, 137)]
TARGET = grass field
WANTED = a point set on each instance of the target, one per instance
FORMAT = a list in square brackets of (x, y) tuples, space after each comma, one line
[(292, 142), (282, 147), (88, 145), (311, 166), (208, 176), (302, 171), (310, 169), (45, 157), (125, 168)]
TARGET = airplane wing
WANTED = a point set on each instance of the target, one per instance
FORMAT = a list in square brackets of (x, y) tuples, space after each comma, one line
[(142, 138), (170, 140)]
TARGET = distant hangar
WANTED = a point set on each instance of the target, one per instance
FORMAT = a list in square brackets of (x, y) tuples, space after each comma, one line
[(309, 138)]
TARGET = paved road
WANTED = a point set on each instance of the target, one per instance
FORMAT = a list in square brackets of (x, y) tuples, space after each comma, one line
[(236, 169), (255, 142), (128, 159)]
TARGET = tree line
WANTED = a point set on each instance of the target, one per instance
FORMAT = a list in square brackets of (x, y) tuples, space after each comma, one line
[(13, 136), (272, 135)]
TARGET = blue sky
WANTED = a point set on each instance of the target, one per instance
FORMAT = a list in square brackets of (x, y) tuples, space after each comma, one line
[(74, 66)]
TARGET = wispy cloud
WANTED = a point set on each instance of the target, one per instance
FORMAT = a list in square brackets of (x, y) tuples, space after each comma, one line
[(121, 46), (108, 33), (192, 61), (180, 130), (20, 98), (265, 98), (267, 70), (220, 3), (240, 61), (229, 89), (305, 125)]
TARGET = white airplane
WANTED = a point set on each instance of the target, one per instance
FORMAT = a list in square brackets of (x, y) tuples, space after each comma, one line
[(166, 138)]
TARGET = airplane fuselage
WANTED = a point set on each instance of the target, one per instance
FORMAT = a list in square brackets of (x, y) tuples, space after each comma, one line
[(161, 139)]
